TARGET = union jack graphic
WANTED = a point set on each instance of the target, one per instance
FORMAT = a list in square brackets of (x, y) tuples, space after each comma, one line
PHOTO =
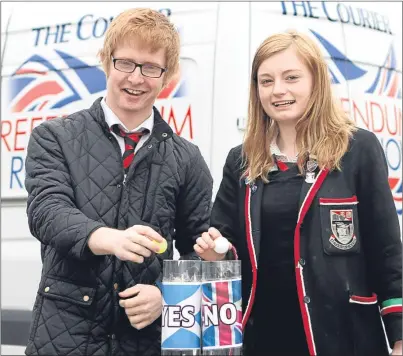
[(387, 78), (40, 85), (386, 81), (176, 88), (216, 295), (347, 68), (395, 184)]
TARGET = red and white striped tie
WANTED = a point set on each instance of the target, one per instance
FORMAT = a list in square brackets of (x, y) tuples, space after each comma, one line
[(131, 141)]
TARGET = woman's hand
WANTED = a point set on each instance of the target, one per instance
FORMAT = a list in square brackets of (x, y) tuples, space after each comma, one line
[(397, 348), (204, 246)]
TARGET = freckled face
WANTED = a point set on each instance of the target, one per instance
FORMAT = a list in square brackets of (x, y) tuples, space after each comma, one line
[(131, 94), (284, 86)]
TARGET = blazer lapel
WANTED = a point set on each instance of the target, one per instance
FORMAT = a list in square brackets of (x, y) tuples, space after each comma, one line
[(252, 211), (255, 214)]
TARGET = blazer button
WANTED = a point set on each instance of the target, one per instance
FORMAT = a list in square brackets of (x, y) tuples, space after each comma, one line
[(307, 299), (119, 186), (86, 298), (47, 289), (115, 286), (164, 134), (302, 262)]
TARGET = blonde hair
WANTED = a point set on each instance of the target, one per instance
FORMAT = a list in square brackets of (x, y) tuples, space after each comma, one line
[(324, 130), (150, 28)]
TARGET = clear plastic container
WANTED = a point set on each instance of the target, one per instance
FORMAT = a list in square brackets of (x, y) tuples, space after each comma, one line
[(181, 314), (222, 308)]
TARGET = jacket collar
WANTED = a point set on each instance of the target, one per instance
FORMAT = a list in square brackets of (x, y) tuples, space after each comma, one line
[(112, 119), (161, 130)]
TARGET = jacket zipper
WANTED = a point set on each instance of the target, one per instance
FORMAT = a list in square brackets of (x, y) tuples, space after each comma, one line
[(145, 194), (148, 180)]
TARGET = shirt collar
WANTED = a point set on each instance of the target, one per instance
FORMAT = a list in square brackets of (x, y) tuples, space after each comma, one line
[(280, 156), (112, 119)]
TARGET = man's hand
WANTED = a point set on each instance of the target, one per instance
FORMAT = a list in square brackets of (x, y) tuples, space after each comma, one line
[(143, 306), (397, 348), (132, 244), (136, 243), (204, 246)]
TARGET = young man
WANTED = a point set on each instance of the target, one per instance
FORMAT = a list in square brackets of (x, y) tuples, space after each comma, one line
[(106, 186)]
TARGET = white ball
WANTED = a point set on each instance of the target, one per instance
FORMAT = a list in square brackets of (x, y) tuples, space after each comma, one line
[(221, 245)]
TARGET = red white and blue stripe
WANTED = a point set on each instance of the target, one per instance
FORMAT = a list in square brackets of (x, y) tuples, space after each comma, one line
[(219, 294)]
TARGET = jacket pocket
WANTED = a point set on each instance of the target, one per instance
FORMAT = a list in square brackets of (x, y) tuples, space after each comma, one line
[(339, 225), (67, 311), (63, 290), (367, 332), (66, 298), (355, 299)]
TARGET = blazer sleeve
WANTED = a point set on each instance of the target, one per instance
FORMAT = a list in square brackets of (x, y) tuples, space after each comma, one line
[(225, 212), (380, 233)]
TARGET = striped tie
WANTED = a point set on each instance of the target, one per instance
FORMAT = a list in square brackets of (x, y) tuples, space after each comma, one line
[(131, 141)]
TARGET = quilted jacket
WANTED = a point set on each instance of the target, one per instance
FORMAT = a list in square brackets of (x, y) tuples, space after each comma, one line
[(76, 184)]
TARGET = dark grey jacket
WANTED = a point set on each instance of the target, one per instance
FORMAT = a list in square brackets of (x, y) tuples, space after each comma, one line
[(75, 182)]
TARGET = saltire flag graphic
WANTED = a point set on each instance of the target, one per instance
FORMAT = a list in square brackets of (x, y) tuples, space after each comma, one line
[(217, 296), (177, 297)]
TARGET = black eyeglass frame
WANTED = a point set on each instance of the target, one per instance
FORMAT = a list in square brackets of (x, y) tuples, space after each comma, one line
[(163, 70)]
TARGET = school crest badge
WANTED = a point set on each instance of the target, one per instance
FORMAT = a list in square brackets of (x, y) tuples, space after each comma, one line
[(342, 224)]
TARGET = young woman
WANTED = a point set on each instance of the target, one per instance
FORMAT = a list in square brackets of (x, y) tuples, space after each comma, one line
[(306, 205)]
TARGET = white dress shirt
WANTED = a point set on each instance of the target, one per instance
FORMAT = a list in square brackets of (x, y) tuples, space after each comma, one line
[(280, 156), (112, 119)]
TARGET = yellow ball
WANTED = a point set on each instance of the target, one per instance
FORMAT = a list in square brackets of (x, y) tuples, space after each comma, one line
[(162, 245)]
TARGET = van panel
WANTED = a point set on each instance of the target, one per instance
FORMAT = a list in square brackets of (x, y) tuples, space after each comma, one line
[(56, 72)]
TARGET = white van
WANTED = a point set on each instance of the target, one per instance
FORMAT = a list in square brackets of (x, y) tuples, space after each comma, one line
[(50, 69)]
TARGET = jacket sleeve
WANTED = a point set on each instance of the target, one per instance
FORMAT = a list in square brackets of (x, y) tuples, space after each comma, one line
[(380, 231), (53, 217), (193, 205), (225, 212)]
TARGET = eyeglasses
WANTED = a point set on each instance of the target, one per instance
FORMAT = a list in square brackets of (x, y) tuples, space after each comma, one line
[(148, 70)]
